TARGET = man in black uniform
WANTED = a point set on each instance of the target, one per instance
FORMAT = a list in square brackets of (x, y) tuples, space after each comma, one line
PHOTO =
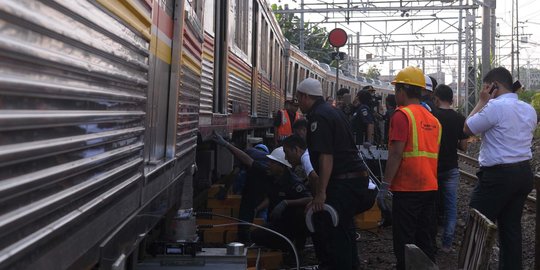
[(286, 198), (343, 180), (362, 119)]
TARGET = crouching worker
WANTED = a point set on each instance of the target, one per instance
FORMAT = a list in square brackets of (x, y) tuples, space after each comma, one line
[(286, 199)]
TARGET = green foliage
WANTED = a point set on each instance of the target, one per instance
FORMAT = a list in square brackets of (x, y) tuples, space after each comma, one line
[(315, 38), (373, 72), (526, 95), (535, 102)]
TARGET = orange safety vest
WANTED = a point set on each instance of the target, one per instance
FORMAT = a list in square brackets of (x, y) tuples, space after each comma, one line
[(418, 168), (285, 128)]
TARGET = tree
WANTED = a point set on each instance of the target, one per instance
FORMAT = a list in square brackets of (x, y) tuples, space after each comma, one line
[(315, 38), (526, 95), (373, 72), (535, 102)]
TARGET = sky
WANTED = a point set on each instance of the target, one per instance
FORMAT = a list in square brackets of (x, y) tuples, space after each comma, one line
[(529, 22)]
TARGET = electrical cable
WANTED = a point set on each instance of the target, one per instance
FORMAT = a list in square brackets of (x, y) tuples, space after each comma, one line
[(244, 223), (377, 181), (257, 262)]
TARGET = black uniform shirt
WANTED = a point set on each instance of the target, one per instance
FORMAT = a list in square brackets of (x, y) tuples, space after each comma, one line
[(257, 178), (329, 132), (288, 187), (452, 132), (362, 117)]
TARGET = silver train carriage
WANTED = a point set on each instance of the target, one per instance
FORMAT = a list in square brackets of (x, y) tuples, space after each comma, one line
[(106, 107)]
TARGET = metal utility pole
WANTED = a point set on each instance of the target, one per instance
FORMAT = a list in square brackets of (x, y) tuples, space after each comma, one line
[(486, 37), (301, 25), (337, 70), (424, 59), (460, 56), (470, 60), (403, 58), (493, 5), (512, 40), (517, 38), (358, 54)]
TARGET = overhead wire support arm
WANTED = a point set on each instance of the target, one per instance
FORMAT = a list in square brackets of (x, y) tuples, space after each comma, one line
[(374, 9)]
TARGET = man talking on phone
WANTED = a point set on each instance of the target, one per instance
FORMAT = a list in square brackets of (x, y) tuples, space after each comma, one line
[(506, 126)]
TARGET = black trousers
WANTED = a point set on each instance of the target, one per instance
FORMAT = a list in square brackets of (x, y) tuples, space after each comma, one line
[(335, 247), (414, 221), (500, 195), (292, 225)]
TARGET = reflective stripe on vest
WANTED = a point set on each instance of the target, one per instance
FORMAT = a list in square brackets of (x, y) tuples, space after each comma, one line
[(415, 152), (418, 168)]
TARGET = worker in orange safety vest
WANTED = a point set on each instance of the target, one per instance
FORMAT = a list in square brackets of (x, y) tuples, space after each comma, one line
[(411, 169), (284, 120)]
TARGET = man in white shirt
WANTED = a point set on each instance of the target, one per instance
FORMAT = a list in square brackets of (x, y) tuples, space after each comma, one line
[(297, 154), (506, 126)]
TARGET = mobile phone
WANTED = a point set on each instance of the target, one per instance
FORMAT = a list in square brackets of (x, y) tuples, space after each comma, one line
[(493, 88)]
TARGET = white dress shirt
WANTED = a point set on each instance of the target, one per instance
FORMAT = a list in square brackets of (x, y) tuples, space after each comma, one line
[(507, 125), (306, 163)]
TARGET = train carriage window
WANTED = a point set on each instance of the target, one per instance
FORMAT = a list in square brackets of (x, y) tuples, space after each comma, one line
[(295, 77), (264, 45), (272, 56), (290, 77), (278, 63), (281, 70), (241, 22), (198, 7), (209, 17)]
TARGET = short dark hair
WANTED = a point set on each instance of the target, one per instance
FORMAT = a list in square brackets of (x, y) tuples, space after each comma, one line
[(391, 100), (300, 123), (342, 91), (412, 91), (294, 141), (444, 93), (364, 96), (502, 76), (368, 87)]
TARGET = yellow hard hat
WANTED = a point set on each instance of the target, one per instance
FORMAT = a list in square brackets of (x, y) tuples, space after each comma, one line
[(411, 76)]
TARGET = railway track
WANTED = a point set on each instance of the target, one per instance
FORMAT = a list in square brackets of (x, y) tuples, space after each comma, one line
[(468, 166)]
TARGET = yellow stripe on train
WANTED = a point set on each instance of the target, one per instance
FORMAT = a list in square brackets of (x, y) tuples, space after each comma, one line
[(191, 64), (239, 73), (130, 13), (163, 50)]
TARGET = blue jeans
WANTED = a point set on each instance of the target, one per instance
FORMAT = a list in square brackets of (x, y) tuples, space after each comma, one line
[(448, 185)]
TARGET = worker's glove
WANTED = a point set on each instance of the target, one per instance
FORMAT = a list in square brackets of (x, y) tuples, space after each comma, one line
[(218, 139), (277, 212), (384, 205), (381, 197)]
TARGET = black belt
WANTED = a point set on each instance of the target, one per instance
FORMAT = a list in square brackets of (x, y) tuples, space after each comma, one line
[(507, 165), (350, 175)]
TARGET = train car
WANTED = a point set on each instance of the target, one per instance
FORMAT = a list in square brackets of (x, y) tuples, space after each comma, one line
[(106, 108), (105, 111), (302, 67), (93, 121)]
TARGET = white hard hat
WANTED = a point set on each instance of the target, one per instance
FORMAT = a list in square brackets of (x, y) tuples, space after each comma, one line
[(310, 87), (429, 84), (279, 155)]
